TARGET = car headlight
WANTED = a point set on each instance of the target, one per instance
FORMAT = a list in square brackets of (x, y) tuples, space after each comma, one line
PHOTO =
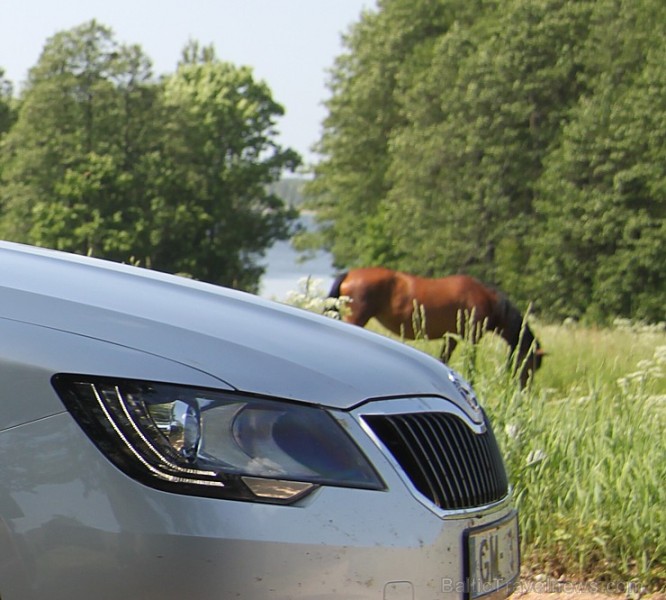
[(211, 443)]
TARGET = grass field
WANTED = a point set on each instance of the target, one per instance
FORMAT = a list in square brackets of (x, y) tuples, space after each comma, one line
[(584, 446)]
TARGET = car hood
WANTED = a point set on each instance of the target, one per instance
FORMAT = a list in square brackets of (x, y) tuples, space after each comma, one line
[(250, 344)]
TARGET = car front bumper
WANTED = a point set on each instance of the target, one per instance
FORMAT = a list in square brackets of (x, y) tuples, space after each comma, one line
[(72, 526)]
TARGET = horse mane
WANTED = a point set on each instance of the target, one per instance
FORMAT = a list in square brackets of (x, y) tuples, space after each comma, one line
[(335, 288)]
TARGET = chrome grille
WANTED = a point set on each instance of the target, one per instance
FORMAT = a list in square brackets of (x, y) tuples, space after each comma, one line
[(444, 459)]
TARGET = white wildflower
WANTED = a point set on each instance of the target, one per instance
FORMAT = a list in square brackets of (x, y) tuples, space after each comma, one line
[(512, 431), (311, 296), (536, 456), (646, 369)]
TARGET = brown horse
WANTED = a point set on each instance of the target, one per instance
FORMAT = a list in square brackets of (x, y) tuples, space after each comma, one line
[(403, 303)]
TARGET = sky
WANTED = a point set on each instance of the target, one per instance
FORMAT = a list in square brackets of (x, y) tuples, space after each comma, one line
[(290, 44)]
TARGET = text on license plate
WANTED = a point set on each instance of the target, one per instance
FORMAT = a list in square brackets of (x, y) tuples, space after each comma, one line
[(493, 557)]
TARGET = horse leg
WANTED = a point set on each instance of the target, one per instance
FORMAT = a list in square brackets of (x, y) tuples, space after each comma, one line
[(358, 319), (448, 347), (359, 313)]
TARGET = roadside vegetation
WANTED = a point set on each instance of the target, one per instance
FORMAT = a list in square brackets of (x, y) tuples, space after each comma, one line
[(584, 445), (584, 448)]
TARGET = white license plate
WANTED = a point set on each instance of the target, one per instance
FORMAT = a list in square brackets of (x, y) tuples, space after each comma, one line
[(493, 558)]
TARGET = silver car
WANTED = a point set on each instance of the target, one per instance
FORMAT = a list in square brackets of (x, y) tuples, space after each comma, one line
[(162, 438)]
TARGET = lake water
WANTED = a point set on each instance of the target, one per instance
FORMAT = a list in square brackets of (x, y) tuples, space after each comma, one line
[(284, 270)]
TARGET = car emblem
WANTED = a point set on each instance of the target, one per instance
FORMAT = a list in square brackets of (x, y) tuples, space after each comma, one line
[(465, 390)]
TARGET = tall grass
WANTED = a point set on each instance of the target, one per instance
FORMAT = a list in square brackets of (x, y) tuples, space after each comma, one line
[(584, 447)]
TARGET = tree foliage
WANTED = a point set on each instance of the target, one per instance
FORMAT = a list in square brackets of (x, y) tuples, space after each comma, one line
[(363, 113), (6, 104), (105, 160), (602, 193), (520, 141)]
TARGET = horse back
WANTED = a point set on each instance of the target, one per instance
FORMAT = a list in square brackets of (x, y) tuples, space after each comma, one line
[(447, 298), (461, 291)]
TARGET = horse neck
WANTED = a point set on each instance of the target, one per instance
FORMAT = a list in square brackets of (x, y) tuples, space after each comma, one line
[(512, 325)]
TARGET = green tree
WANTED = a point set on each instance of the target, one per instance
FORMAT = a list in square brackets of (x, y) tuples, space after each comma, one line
[(6, 104), (601, 249), (105, 160), (215, 209), (7, 109), (352, 179), (482, 116), (72, 157), (440, 117)]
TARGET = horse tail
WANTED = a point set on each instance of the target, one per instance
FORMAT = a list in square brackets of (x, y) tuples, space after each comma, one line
[(333, 306), (335, 288)]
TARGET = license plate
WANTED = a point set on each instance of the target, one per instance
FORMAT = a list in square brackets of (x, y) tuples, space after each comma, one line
[(493, 556)]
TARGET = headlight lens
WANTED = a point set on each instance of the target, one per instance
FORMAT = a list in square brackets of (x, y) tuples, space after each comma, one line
[(213, 443)]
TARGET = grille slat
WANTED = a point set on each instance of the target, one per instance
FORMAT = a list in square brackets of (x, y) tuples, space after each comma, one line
[(419, 457), (476, 470), (447, 484), (411, 454), (446, 461), (431, 466), (459, 485)]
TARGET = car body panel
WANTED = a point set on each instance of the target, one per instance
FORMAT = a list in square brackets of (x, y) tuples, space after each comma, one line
[(31, 354), (97, 533), (302, 356)]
